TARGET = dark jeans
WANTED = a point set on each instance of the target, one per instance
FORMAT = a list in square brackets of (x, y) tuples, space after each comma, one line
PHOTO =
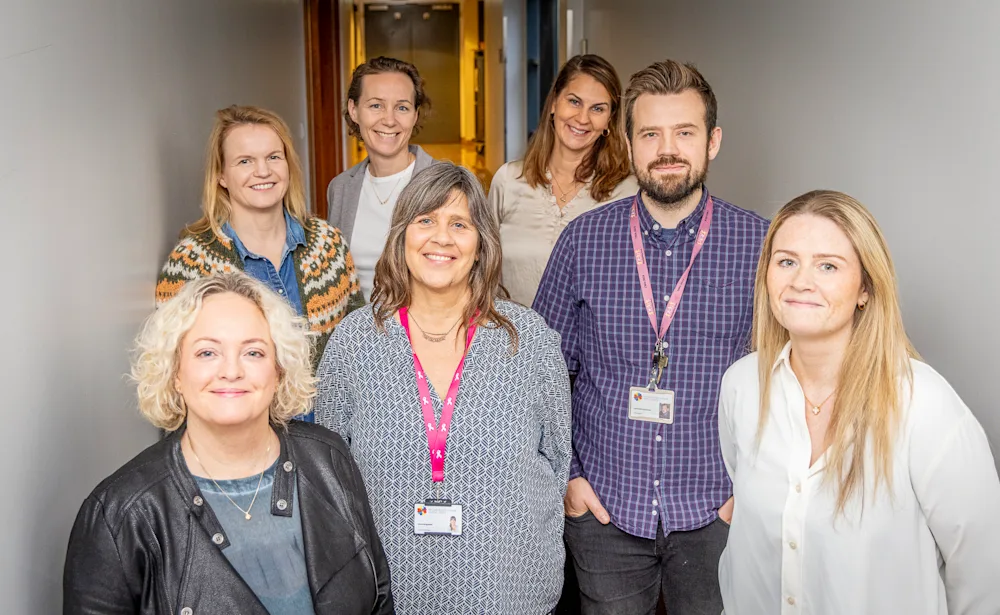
[(621, 574)]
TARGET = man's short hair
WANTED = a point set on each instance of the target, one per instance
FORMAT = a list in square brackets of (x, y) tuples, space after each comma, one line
[(668, 77)]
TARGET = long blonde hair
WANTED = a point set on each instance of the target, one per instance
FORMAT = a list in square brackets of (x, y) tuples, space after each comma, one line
[(216, 207), (868, 406)]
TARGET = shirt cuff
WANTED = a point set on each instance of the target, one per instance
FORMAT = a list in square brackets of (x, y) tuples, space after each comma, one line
[(575, 469)]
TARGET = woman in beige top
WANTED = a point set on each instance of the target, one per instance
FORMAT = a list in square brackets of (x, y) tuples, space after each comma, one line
[(576, 160)]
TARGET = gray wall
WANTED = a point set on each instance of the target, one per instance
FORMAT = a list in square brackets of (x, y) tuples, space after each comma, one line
[(106, 106), (893, 102)]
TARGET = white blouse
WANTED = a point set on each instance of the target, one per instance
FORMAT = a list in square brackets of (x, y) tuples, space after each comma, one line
[(932, 548), (531, 222)]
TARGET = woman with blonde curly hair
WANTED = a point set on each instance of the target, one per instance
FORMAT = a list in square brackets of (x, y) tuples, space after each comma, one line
[(863, 483), (239, 509)]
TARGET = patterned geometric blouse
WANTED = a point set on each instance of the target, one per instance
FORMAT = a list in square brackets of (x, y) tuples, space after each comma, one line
[(507, 463)]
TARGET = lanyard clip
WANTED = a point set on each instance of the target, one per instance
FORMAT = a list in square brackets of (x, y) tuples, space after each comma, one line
[(659, 363)]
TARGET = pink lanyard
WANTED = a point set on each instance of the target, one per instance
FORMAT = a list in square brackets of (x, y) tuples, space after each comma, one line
[(437, 437), (640, 265)]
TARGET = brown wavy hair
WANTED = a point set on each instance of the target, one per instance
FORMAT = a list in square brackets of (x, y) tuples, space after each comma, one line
[(216, 208), (607, 161), (427, 191), (379, 66), (868, 406)]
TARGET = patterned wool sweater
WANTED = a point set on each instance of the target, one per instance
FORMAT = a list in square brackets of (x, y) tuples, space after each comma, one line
[(328, 284)]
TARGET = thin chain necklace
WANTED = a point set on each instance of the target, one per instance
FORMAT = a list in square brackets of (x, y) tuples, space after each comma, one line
[(396, 185), (433, 337), (219, 487), (564, 197), (815, 408)]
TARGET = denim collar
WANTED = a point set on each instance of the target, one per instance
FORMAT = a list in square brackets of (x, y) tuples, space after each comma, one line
[(295, 236)]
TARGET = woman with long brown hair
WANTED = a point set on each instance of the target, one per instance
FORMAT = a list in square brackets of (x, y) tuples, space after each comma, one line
[(576, 160), (863, 483), (455, 403)]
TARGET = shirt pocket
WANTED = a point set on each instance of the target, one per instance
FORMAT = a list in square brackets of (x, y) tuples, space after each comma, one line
[(718, 307)]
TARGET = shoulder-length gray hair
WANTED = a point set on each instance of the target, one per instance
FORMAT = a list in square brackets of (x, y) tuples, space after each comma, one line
[(427, 191), (156, 357)]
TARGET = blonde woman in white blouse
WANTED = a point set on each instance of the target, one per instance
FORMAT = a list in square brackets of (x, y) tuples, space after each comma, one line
[(576, 160), (863, 484)]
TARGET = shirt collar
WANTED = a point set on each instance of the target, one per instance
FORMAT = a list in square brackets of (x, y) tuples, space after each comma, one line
[(783, 356), (646, 221), (295, 236)]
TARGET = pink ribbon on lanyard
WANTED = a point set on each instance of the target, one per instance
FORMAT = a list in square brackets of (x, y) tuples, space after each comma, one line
[(437, 436), (640, 265)]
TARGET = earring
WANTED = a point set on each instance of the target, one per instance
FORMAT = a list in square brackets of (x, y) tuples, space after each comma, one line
[(861, 307), (605, 132)]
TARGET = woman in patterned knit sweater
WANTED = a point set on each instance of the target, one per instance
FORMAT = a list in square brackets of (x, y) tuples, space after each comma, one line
[(255, 218)]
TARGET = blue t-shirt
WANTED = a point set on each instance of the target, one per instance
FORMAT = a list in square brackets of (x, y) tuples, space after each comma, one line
[(266, 550)]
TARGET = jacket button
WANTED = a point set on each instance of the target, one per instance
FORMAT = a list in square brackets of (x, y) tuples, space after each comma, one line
[(187, 611), (198, 501), (287, 466), (218, 539), (282, 505)]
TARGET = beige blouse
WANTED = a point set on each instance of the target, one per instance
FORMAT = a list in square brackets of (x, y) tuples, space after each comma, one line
[(530, 224)]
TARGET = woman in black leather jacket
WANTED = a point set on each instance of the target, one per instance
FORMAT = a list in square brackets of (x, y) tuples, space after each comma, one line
[(239, 509)]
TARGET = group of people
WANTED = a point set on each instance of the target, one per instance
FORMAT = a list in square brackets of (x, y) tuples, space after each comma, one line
[(441, 401)]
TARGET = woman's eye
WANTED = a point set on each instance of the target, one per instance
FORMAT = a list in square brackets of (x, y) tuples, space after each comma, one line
[(828, 267), (376, 106), (244, 161), (785, 262), (599, 109), (204, 353), (404, 108), (275, 157), (255, 354)]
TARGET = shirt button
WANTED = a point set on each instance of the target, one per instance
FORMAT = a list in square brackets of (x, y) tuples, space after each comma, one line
[(654, 502), (656, 227), (281, 291), (798, 488), (287, 466), (218, 539), (666, 297), (654, 513), (791, 601), (670, 253), (198, 501), (659, 438), (187, 611), (793, 545), (656, 483), (282, 504), (690, 231)]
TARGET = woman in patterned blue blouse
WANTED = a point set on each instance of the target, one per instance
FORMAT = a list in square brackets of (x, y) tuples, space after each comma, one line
[(455, 403)]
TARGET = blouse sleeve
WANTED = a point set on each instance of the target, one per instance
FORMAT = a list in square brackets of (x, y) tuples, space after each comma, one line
[(955, 481), (334, 400), (553, 406), (727, 439), (497, 187)]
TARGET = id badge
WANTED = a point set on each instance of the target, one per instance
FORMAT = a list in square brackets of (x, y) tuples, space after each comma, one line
[(439, 517), (656, 406)]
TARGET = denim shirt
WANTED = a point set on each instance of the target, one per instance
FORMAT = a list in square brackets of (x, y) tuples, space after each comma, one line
[(282, 281)]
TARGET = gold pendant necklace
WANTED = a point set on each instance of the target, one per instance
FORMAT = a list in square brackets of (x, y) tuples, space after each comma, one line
[(246, 512), (815, 408)]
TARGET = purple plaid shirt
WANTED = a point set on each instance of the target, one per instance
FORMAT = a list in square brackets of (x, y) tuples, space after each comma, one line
[(646, 472)]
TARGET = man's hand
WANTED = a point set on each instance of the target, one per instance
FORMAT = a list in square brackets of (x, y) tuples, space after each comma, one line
[(726, 511), (580, 498)]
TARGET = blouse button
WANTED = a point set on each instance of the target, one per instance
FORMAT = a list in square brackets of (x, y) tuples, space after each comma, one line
[(791, 601), (282, 504), (793, 545), (187, 611), (798, 488), (218, 539)]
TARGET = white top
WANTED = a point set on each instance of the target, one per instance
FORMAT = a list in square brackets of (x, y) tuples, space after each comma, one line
[(787, 553), (378, 198), (530, 224)]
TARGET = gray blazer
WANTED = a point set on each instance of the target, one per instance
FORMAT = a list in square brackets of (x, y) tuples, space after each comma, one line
[(344, 191)]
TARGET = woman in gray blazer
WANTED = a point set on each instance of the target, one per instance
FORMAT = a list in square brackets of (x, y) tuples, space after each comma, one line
[(384, 104)]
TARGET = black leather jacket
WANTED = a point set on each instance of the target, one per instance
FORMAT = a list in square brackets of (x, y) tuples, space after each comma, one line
[(144, 542)]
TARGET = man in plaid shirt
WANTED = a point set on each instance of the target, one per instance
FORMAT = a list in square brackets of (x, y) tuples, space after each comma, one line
[(649, 499)]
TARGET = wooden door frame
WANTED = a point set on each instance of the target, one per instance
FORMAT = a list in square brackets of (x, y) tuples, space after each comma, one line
[(324, 95)]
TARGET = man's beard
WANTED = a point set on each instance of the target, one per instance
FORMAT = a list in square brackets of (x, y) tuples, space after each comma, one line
[(673, 189)]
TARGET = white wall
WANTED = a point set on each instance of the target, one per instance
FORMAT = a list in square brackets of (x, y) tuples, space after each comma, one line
[(891, 101), (516, 78), (106, 106)]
